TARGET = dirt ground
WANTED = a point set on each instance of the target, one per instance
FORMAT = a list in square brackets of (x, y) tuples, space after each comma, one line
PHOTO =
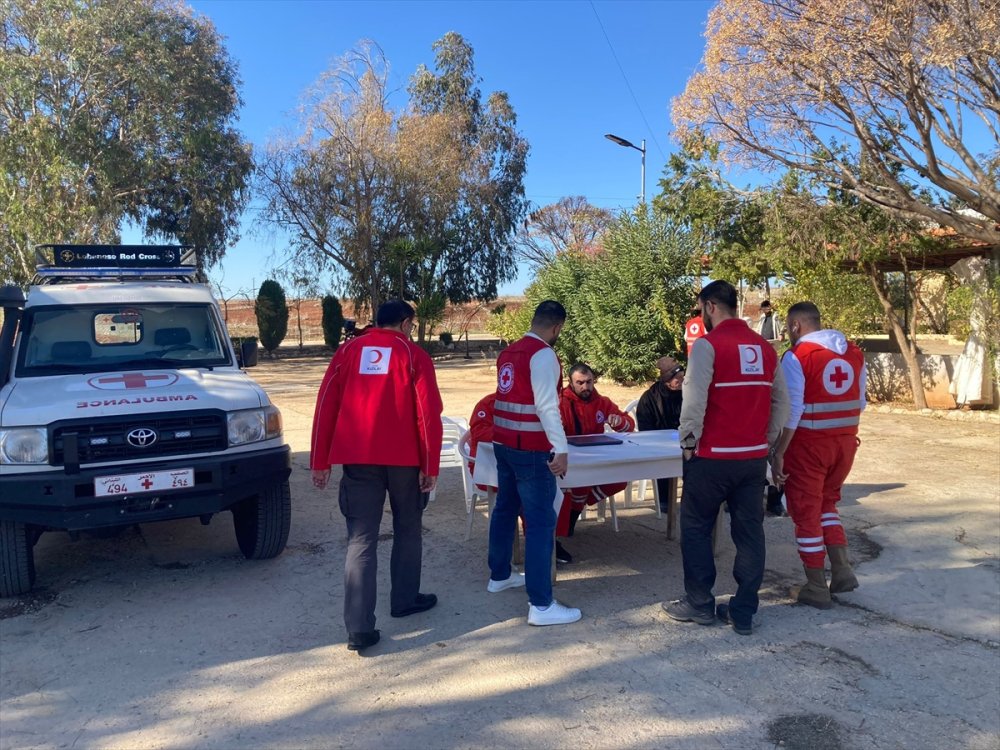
[(165, 637)]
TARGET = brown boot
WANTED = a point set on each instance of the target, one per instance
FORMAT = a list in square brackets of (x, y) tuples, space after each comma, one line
[(843, 578), (815, 592)]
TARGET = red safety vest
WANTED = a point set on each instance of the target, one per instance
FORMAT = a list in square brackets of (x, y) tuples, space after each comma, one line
[(694, 329), (739, 396), (515, 418), (832, 395)]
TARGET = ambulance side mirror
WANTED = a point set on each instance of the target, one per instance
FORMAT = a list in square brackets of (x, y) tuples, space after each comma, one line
[(246, 355)]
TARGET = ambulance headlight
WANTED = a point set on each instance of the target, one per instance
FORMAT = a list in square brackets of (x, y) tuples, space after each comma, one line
[(24, 445), (254, 425)]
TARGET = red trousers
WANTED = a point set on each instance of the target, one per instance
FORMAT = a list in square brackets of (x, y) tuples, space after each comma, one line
[(816, 469), (580, 497)]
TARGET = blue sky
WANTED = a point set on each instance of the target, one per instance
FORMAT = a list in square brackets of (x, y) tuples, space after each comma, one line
[(553, 59)]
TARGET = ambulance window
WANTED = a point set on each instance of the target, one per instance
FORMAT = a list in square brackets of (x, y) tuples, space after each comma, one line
[(122, 327)]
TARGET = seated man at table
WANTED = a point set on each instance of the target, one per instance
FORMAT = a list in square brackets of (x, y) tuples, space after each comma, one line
[(585, 412), (659, 408)]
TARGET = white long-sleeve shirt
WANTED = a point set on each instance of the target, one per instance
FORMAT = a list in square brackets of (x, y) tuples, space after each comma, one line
[(545, 374), (795, 379)]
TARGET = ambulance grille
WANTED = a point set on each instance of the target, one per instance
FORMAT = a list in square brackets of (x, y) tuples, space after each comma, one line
[(106, 439)]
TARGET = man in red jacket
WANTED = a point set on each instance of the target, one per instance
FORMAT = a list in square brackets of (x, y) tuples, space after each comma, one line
[(378, 413), (735, 404), (585, 412)]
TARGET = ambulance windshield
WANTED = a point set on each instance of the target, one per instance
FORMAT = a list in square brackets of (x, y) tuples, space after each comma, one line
[(105, 338)]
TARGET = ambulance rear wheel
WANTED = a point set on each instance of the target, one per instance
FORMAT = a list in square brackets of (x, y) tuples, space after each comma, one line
[(17, 558), (262, 522)]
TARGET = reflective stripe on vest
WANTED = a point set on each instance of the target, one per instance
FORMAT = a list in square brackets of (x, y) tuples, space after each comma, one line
[(516, 408), (510, 424), (830, 424), (832, 406)]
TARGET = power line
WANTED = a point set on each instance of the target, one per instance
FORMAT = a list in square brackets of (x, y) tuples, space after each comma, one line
[(652, 133)]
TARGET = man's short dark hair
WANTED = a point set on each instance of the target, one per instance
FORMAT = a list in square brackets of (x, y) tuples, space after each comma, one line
[(581, 367), (549, 313), (721, 293), (766, 303), (392, 313), (807, 311)]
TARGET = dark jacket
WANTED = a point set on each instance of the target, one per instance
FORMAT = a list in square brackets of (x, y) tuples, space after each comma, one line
[(659, 408)]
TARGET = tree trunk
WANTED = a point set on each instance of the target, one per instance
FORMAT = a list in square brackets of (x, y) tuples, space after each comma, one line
[(298, 315), (906, 339)]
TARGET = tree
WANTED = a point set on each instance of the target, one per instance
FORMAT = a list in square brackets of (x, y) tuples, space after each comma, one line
[(625, 305), (333, 321), (336, 187), (445, 175), (112, 111), (271, 310), (475, 224), (907, 89), (569, 225)]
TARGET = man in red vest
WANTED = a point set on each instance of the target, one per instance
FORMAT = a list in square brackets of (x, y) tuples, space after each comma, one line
[(826, 378), (531, 451), (585, 412), (735, 404), (694, 329), (378, 413)]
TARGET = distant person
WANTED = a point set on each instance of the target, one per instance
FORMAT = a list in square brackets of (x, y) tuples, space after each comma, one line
[(531, 451), (378, 413), (694, 329), (735, 404), (826, 378), (769, 324), (659, 408), (585, 412)]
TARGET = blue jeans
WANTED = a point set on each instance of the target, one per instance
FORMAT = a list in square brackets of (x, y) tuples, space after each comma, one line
[(524, 481)]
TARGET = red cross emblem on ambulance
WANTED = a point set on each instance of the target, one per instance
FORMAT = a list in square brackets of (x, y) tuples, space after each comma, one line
[(127, 381)]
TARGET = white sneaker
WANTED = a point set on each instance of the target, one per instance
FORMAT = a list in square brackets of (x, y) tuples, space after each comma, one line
[(554, 614), (515, 580)]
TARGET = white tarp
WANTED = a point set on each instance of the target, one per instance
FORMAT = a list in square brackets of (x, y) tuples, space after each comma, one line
[(972, 381)]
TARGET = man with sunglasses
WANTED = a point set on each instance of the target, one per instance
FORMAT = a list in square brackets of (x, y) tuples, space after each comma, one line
[(735, 405)]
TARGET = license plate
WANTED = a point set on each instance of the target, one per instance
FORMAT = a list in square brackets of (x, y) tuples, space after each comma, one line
[(150, 481)]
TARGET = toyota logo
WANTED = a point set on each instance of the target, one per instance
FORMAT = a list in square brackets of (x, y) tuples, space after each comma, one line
[(141, 437)]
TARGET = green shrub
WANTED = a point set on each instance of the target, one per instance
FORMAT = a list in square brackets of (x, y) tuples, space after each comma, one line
[(272, 315), (333, 321)]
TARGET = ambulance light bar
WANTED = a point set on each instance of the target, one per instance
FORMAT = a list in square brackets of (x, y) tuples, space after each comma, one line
[(116, 273)]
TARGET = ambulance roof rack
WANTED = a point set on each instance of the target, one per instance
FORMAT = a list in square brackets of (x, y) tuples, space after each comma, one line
[(61, 264)]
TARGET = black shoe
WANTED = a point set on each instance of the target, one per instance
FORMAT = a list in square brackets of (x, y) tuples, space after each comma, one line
[(722, 612), (361, 641), (421, 603), (683, 611), (562, 556), (774, 506)]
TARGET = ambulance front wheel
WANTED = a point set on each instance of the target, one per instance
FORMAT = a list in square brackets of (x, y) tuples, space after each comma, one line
[(262, 522), (17, 558)]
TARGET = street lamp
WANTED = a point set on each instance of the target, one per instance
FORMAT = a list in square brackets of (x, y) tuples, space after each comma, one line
[(628, 144)]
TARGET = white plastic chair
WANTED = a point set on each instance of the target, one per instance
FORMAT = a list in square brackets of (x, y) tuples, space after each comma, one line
[(472, 493), (643, 483), (451, 454)]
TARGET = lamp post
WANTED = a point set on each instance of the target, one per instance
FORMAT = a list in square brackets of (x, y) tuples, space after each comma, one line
[(642, 150)]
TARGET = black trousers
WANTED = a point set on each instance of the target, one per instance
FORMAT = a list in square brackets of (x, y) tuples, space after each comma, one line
[(708, 483), (362, 499)]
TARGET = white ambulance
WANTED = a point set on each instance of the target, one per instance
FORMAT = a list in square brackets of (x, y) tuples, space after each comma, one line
[(123, 401)]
